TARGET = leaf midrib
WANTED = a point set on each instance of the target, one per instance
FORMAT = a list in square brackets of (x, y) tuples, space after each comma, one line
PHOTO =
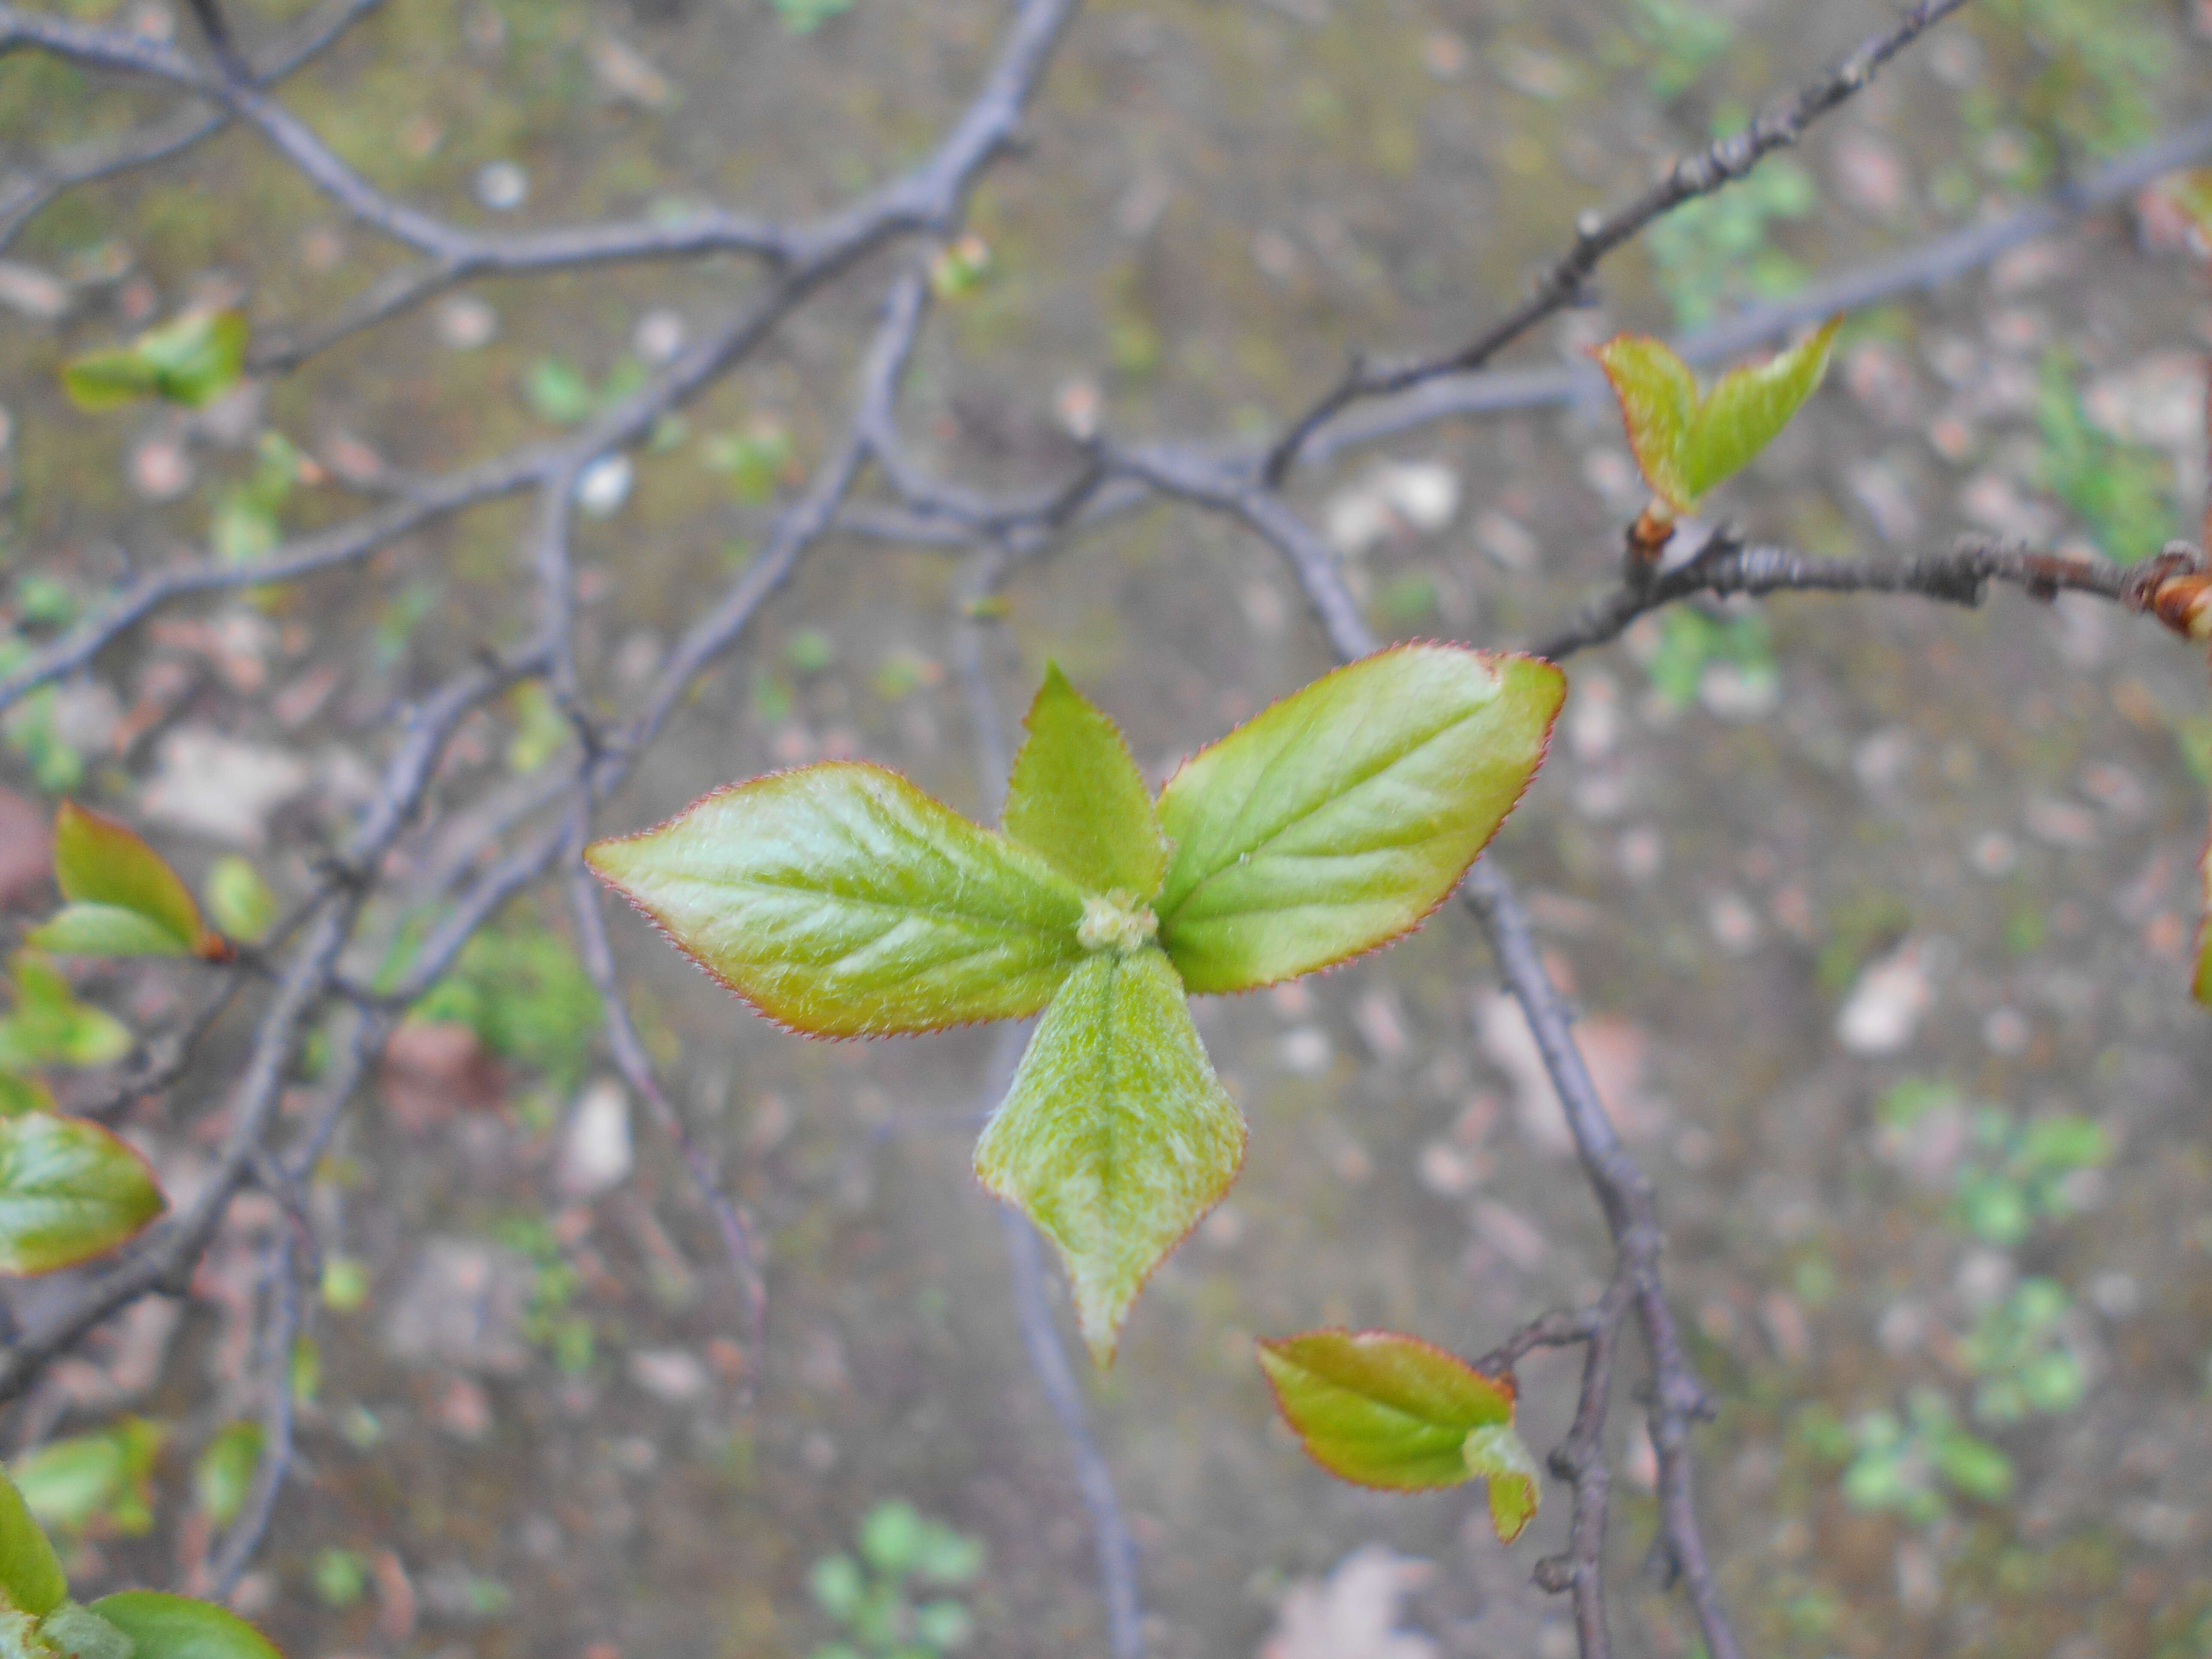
[(1357, 783)]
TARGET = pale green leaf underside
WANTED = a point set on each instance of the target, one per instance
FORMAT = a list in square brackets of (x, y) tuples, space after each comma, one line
[(68, 1191), (1335, 820), (1383, 1409), (1497, 1454), (840, 900), (163, 1626), (31, 1576), (1686, 444), (98, 862), (1077, 797), (104, 930), (1115, 1136)]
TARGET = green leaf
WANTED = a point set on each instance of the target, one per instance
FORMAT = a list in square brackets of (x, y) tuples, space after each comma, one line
[(19, 1094), (1497, 1455), (98, 862), (1077, 797), (1337, 819), (1685, 443), (104, 930), (1973, 1465), (889, 1536), (49, 1026), (1115, 1136), (104, 1477), (948, 1557), (68, 1191), (1658, 398), (1386, 1410), (557, 392), (224, 1473), (944, 1626), (110, 379), (239, 900), (196, 357), (838, 1584), (840, 900), (162, 1626), (31, 1576), (1741, 415)]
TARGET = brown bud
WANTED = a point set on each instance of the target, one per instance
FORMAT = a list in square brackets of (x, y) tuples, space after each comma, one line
[(2177, 589), (2184, 604), (1649, 536)]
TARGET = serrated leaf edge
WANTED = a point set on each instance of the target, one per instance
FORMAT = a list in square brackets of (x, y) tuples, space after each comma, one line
[(1543, 752)]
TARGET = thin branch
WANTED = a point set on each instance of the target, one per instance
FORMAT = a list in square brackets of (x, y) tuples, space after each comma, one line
[(273, 1468), (1723, 163), (637, 1069), (159, 139), (1961, 576)]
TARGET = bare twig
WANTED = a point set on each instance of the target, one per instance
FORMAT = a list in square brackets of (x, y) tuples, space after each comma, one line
[(1961, 576), (1598, 235), (275, 1464)]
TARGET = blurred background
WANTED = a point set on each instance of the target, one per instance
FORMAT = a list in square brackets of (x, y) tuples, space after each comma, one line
[(1878, 911)]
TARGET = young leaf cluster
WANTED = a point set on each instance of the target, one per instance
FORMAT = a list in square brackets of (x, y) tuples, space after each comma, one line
[(841, 901), (69, 1190), (190, 360), (1686, 441), (901, 1551)]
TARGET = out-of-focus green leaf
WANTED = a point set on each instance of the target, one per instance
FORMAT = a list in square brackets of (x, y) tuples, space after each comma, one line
[(1115, 1136), (889, 1536), (68, 1191), (93, 1481), (48, 1026), (1972, 1465), (31, 1575), (1337, 819), (104, 930), (100, 862), (541, 730), (197, 356), (192, 360), (101, 381), (1388, 1410), (162, 1626), (944, 1626), (838, 1584), (557, 392), (239, 900), (1077, 797), (19, 1094), (947, 1557), (224, 1473), (840, 900)]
